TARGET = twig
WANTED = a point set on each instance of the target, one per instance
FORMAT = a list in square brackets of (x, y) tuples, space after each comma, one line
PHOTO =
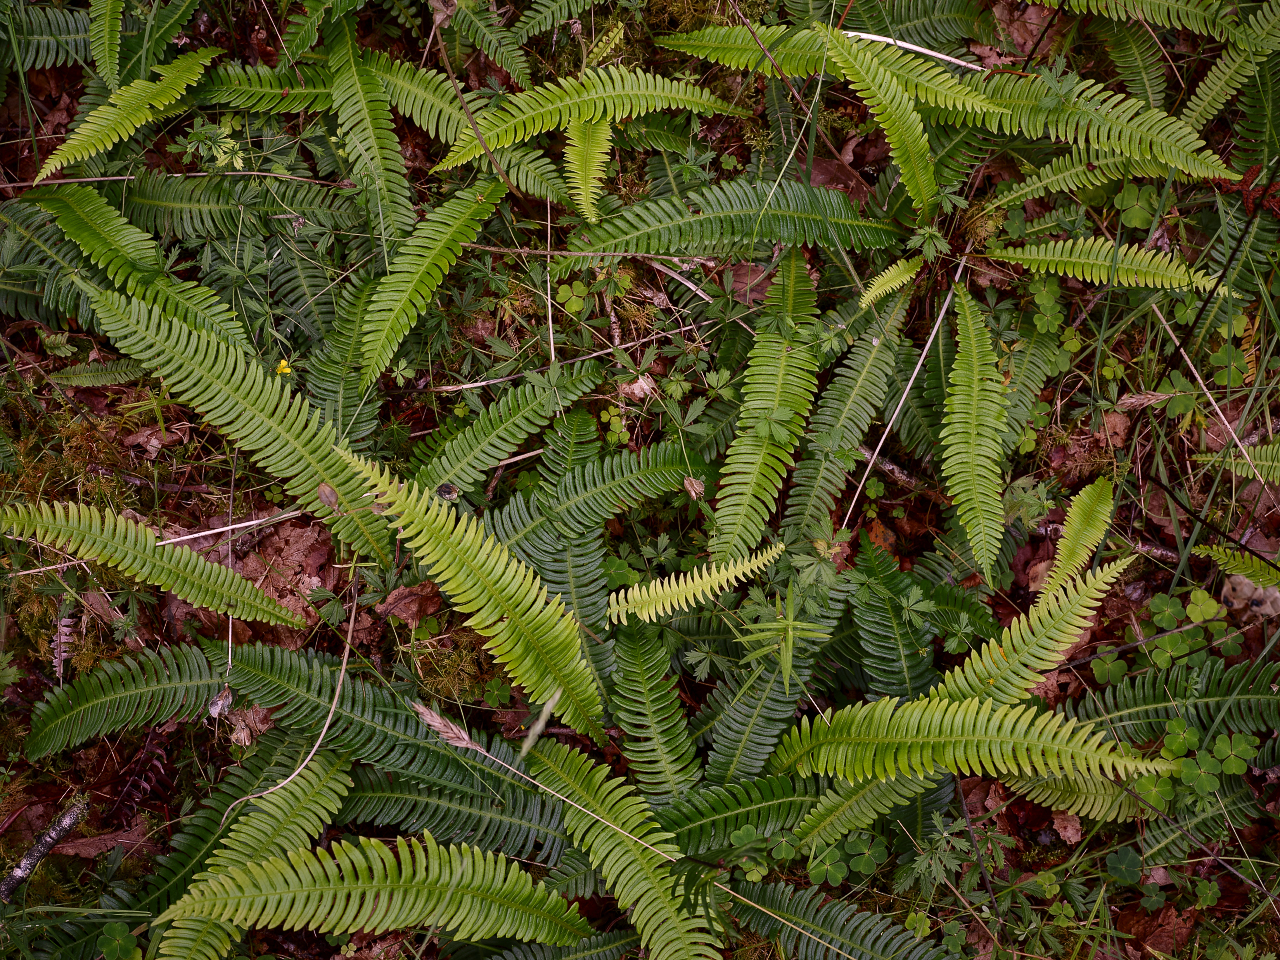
[(977, 852), (876, 38), (530, 252), (63, 824), (937, 325), (475, 128), (675, 276), (333, 707), (904, 479)]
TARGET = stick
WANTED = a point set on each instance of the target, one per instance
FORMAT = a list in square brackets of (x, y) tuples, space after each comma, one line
[(61, 826)]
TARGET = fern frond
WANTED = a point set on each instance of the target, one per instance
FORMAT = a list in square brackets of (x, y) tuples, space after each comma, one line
[(264, 89), (502, 427), (615, 829), (680, 591), (1234, 808), (780, 381), (534, 637), (186, 207), (278, 428), (855, 806), (500, 45), (890, 104), (605, 95), (1198, 16), (971, 427), (541, 15), (1137, 58), (1092, 797), (891, 278), (1088, 518), (368, 722), (658, 747), (1258, 137), (1241, 563), (588, 495), (883, 740), (734, 215), (99, 374), (85, 532), (1251, 44), (705, 818), (364, 112), (845, 411), (418, 269), (1079, 170), (532, 172), (287, 819), (1099, 260), (128, 109), (511, 821), (1005, 670), (585, 157), (807, 928), (333, 370), (45, 37), (603, 946), (104, 39), (375, 888), (1242, 699), (424, 96), (148, 688), (1087, 114)]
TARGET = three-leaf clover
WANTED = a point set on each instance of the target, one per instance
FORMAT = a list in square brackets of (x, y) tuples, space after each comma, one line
[(917, 923), (1154, 898), (1202, 607), (827, 865), (1124, 865), (1108, 668), (117, 943), (573, 296), (1157, 791), (1201, 774), (1166, 611), (1179, 739), (1234, 750), (866, 852), (1138, 205)]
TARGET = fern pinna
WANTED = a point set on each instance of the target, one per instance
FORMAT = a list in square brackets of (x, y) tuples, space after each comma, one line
[(697, 381)]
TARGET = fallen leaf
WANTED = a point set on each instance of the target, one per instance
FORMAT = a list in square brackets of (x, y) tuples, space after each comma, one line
[(134, 841), (1068, 827), (411, 604)]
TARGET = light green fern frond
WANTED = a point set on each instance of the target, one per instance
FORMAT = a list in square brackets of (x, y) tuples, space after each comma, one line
[(585, 157), (374, 887), (855, 806), (1093, 797), (605, 95), (1242, 564), (1137, 58), (1252, 42), (615, 828), (882, 740), (1099, 260), (682, 590), (424, 96), (534, 637), (971, 426), (1088, 518), (128, 109), (1078, 170), (85, 532), (502, 46), (1199, 16), (1007, 669), (271, 423), (104, 39), (418, 269), (891, 278)]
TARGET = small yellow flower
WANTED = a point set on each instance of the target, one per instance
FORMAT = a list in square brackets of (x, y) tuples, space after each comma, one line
[(283, 367)]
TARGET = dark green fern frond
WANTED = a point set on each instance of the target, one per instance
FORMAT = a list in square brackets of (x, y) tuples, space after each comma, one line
[(278, 428), (588, 495), (855, 806), (333, 371), (500, 45), (882, 740), (148, 688), (419, 267), (99, 374), (844, 413), (1198, 16), (1005, 670), (45, 37), (1081, 169), (128, 109), (534, 637), (187, 207), (605, 95), (734, 215), (104, 39), (541, 15), (512, 821), (1251, 44), (706, 817), (1234, 806), (424, 96), (573, 441), (658, 747), (615, 828), (364, 111), (1137, 59), (972, 451), (375, 888), (503, 426), (809, 929), (88, 533), (603, 946), (1258, 136)]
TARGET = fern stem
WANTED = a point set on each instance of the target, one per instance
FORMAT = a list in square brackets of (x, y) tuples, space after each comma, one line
[(937, 325)]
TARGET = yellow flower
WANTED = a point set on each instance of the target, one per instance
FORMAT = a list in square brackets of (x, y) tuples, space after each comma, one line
[(283, 367)]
